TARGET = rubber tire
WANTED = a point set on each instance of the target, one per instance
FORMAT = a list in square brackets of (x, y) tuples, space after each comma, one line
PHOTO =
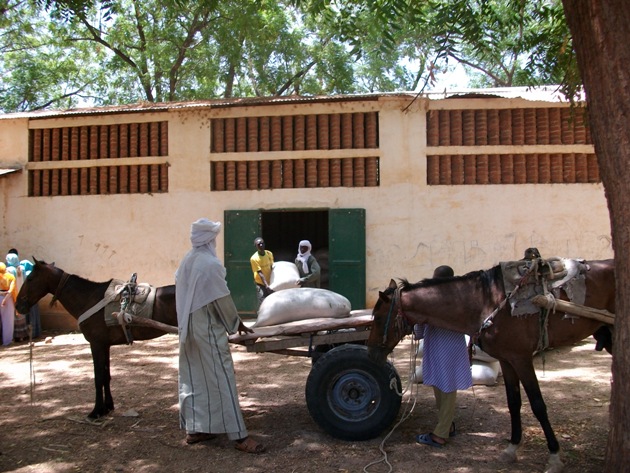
[(321, 350), (349, 396)]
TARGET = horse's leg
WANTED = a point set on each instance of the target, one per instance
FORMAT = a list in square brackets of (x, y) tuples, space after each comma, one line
[(100, 358), (537, 403), (513, 395)]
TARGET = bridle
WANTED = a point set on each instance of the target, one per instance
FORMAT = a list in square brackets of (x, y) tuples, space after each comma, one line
[(402, 324), (62, 282)]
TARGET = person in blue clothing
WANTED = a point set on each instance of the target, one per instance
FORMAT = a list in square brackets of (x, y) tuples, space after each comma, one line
[(20, 270), (446, 367)]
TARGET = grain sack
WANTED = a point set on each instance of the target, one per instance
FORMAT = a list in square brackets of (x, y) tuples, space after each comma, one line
[(302, 303), (284, 276), (485, 373)]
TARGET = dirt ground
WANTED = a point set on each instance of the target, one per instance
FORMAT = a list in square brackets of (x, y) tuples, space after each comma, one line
[(43, 427)]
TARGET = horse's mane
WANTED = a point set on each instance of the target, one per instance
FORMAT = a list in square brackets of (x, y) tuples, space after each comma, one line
[(487, 278), (80, 278)]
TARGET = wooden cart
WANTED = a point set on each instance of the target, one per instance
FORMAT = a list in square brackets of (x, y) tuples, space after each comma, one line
[(348, 395)]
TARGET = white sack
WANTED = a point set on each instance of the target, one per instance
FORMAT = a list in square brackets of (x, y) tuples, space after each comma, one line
[(485, 373), (284, 276), (302, 303)]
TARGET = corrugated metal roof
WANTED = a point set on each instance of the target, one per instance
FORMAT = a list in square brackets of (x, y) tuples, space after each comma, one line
[(8, 170), (547, 93), (144, 107)]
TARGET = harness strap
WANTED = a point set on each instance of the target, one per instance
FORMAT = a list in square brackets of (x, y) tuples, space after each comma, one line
[(88, 313), (389, 315), (487, 322), (62, 282)]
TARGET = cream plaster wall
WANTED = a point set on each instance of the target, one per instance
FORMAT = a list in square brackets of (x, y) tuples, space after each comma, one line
[(411, 227)]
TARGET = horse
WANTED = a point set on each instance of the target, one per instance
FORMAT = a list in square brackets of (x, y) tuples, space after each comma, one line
[(475, 304), (78, 295)]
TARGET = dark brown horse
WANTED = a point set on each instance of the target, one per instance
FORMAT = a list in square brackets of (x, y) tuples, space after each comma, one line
[(464, 304), (78, 295)]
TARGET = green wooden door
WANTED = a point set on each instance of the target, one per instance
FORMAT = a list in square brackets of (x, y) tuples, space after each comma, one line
[(346, 243), (241, 228)]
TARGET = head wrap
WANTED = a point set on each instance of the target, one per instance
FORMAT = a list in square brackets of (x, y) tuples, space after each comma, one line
[(7, 281), (303, 257), (27, 265), (203, 232), (12, 259)]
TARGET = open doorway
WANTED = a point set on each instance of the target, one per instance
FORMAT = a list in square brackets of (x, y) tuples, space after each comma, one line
[(337, 236), (283, 230)]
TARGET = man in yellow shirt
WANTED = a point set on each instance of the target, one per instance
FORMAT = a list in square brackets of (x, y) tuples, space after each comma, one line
[(262, 265)]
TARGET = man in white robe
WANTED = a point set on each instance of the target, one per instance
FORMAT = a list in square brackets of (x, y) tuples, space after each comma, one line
[(208, 397)]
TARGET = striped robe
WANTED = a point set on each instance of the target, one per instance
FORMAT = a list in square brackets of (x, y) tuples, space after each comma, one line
[(208, 397), (445, 362)]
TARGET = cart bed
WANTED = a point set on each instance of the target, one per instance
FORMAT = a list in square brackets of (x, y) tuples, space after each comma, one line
[(308, 333)]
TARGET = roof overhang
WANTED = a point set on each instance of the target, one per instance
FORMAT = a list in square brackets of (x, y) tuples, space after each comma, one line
[(6, 170)]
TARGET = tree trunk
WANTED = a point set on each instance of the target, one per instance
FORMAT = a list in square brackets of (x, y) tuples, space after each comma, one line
[(601, 37)]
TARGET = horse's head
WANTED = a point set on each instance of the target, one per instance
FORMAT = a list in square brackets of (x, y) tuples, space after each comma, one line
[(386, 329), (36, 286)]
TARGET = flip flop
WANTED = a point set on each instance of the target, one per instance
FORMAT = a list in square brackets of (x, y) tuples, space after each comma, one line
[(249, 445), (199, 437), (427, 439)]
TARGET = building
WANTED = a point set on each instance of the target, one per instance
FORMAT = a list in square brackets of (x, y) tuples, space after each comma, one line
[(384, 185)]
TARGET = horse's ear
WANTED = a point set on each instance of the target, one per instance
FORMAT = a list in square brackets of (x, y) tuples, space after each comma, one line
[(35, 260), (392, 284)]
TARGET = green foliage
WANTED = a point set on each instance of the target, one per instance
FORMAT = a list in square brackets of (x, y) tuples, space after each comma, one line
[(64, 53)]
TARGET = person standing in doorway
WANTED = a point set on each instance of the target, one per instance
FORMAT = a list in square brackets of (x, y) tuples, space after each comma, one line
[(446, 367), (307, 266), (262, 265), (208, 398)]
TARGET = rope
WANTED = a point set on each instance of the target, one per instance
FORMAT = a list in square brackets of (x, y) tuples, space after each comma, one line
[(412, 399), (33, 380), (408, 410), (543, 321)]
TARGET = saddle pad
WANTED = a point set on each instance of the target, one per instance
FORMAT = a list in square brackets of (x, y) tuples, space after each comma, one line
[(140, 306), (571, 279)]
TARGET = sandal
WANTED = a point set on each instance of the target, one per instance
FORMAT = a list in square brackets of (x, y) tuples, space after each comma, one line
[(427, 439), (199, 437), (249, 445)]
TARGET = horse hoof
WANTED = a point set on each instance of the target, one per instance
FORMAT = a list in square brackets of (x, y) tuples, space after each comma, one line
[(509, 454), (554, 465)]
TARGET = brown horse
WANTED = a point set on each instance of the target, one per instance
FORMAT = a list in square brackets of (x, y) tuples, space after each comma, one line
[(469, 304), (78, 295)]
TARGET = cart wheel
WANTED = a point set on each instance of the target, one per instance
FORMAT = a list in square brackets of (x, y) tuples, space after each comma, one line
[(349, 396), (321, 350)]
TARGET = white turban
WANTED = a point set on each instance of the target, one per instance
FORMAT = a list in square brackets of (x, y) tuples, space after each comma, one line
[(204, 232), (303, 257)]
